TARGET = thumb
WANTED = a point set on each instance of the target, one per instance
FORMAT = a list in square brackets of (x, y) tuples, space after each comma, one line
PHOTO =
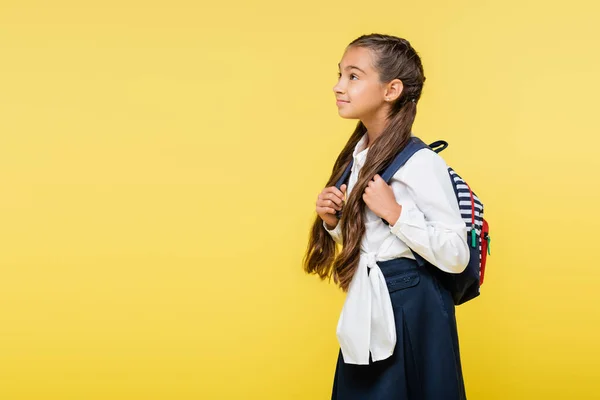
[(343, 187)]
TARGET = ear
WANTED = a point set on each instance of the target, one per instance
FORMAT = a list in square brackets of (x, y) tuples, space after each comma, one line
[(393, 89)]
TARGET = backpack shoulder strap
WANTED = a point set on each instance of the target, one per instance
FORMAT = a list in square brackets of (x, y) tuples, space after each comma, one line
[(345, 175), (414, 144)]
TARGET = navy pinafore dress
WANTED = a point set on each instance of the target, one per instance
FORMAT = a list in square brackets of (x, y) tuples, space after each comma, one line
[(426, 363)]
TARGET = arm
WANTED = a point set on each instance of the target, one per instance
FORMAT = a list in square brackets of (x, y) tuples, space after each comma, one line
[(431, 224)]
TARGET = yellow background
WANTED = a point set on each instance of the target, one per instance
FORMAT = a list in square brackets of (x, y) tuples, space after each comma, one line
[(160, 161)]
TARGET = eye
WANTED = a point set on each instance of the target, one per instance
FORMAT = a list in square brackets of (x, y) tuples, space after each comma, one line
[(351, 75)]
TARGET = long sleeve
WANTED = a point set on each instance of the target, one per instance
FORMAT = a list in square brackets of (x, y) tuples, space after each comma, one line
[(431, 225), (336, 233)]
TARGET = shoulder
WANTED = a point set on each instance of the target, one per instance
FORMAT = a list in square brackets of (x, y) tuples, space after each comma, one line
[(425, 163), (427, 179)]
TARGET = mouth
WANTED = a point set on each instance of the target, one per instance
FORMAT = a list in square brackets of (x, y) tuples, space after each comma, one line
[(338, 101)]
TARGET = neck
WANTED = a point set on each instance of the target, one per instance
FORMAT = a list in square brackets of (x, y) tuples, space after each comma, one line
[(375, 126)]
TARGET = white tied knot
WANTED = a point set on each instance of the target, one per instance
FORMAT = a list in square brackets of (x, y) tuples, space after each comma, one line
[(366, 322), (371, 261)]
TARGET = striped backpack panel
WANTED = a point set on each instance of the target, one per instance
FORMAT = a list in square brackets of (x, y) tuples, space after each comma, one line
[(471, 209)]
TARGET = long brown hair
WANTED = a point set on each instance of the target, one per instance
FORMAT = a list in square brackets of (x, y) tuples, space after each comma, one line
[(394, 58)]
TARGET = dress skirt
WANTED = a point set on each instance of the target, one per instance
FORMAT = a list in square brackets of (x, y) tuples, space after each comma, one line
[(426, 363)]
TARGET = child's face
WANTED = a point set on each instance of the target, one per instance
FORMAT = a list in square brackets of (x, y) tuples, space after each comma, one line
[(360, 88)]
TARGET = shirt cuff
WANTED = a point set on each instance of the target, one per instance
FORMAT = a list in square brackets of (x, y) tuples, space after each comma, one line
[(336, 233)]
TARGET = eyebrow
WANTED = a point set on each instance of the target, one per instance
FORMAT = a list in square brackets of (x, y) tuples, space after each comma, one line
[(353, 67)]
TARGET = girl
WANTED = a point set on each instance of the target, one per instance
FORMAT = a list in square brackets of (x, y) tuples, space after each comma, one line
[(397, 330)]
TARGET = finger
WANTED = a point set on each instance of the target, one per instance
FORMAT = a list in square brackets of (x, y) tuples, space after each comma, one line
[(334, 202), (330, 203), (344, 188), (335, 190), (327, 210), (336, 199)]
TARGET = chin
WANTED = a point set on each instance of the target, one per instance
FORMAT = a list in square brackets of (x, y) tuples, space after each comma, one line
[(347, 115)]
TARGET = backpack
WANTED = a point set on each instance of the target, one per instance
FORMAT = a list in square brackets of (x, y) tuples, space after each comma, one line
[(465, 285)]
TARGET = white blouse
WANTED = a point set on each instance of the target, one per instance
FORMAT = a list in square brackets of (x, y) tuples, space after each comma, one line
[(430, 224)]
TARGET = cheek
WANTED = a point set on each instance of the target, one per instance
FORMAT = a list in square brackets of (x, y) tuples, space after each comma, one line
[(364, 95), (356, 92)]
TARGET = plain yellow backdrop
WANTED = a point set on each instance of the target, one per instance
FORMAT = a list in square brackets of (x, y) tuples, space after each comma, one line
[(160, 161)]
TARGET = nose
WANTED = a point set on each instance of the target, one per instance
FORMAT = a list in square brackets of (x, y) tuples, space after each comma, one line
[(337, 89)]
